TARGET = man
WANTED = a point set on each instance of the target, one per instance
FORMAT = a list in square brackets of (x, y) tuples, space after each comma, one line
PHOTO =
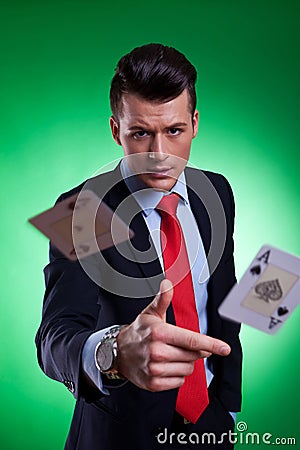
[(121, 329)]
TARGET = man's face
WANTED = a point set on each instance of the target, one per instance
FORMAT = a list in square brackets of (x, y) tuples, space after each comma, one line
[(156, 137)]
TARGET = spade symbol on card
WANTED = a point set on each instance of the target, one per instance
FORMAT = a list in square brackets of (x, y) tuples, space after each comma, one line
[(269, 290), (255, 270), (82, 201), (282, 310), (83, 247)]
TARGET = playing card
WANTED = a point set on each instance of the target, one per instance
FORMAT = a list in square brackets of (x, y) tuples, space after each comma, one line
[(82, 225), (267, 293)]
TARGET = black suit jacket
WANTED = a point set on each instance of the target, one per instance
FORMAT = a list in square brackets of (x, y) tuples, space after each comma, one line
[(76, 305)]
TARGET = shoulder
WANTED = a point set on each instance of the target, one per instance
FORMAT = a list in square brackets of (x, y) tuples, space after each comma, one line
[(212, 189), (99, 184), (202, 178), (214, 177)]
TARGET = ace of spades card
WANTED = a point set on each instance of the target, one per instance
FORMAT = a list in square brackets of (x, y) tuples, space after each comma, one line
[(267, 293)]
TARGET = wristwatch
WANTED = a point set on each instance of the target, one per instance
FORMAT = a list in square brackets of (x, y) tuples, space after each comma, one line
[(106, 353)]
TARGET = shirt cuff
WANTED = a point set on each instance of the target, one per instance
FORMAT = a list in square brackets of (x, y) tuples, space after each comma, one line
[(233, 415)]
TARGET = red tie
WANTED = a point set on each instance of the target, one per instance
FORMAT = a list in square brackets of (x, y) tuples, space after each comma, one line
[(192, 396)]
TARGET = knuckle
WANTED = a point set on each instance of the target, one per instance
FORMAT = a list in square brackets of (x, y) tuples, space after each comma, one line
[(193, 342), (156, 333), (190, 369), (153, 370), (181, 381), (155, 352), (154, 385), (214, 347)]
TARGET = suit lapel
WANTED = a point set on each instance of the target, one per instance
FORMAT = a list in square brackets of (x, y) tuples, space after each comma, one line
[(194, 189), (207, 206)]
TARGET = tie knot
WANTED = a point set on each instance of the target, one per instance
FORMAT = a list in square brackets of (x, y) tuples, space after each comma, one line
[(168, 205)]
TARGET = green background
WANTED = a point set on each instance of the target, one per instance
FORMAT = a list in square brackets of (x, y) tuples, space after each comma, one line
[(57, 59)]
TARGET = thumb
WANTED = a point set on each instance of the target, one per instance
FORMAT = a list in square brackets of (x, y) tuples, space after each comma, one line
[(162, 300)]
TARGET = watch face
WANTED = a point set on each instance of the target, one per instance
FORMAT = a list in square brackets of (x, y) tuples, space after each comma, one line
[(104, 356)]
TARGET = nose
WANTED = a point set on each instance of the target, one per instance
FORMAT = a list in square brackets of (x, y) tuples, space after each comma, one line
[(157, 150)]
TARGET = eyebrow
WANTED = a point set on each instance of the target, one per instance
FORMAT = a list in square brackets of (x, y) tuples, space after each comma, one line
[(145, 127)]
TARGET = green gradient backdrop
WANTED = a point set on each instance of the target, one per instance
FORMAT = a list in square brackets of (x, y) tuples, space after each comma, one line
[(57, 59)]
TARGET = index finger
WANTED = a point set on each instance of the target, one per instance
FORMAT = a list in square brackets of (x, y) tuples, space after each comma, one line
[(197, 342)]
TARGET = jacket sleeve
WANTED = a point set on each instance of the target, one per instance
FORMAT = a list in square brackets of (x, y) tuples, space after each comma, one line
[(69, 317), (228, 370)]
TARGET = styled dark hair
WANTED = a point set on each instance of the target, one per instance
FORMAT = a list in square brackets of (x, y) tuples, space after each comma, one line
[(154, 72)]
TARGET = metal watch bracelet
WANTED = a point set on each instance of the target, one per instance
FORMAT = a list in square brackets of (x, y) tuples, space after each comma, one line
[(110, 338)]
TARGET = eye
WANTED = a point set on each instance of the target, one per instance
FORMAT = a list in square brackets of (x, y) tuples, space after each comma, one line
[(174, 131), (140, 134)]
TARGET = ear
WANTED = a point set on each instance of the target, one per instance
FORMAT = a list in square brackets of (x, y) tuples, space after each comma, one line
[(195, 123), (114, 126)]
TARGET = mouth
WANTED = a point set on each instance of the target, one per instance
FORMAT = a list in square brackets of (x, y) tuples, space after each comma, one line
[(159, 172)]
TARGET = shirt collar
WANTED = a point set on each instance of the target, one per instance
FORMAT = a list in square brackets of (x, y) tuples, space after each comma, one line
[(149, 198)]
